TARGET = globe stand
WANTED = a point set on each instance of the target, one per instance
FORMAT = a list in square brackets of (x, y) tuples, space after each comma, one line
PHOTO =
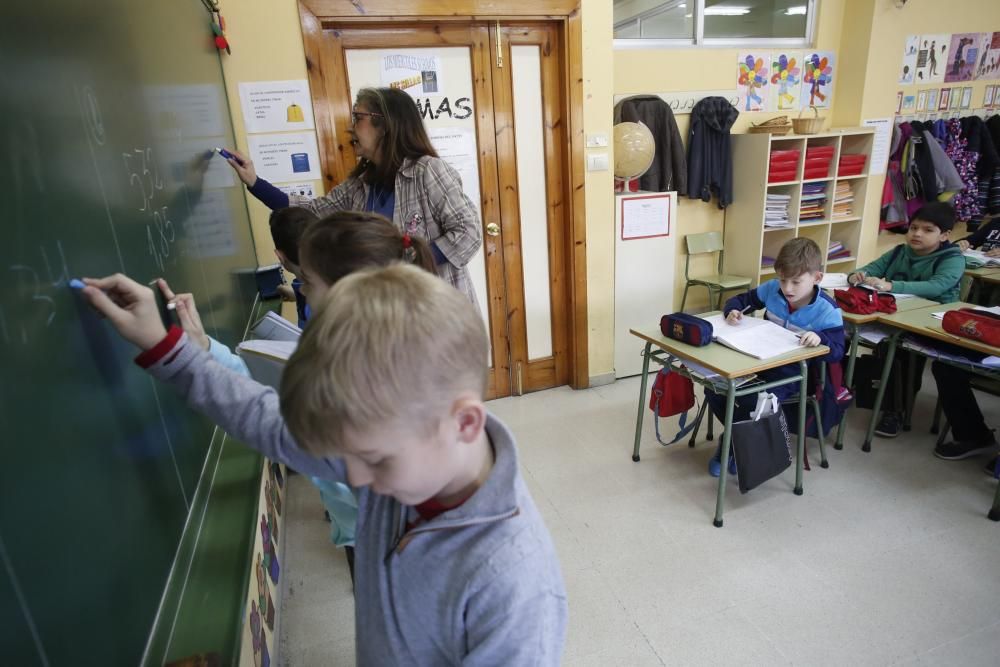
[(635, 150)]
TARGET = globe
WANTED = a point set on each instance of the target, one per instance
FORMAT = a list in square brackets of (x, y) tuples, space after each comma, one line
[(634, 150)]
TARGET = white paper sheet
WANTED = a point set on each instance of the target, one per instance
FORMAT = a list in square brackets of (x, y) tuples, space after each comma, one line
[(276, 106), (643, 217), (880, 147)]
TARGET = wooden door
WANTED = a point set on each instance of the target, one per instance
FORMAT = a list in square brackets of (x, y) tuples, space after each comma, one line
[(472, 112)]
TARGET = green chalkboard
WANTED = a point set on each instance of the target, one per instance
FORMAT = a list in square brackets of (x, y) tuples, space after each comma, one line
[(108, 111)]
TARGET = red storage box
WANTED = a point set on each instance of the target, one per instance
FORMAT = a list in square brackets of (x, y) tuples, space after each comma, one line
[(774, 176), (820, 151), (791, 153), (817, 162)]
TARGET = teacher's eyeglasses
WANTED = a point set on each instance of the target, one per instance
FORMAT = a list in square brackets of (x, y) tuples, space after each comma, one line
[(356, 114)]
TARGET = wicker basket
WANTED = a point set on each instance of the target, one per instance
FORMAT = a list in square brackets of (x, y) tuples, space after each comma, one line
[(778, 125), (808, 125)]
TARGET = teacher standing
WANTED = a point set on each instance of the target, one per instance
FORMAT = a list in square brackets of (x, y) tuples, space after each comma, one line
[(400, 176)]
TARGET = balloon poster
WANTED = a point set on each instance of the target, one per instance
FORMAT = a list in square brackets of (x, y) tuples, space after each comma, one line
[(786, 79), (817, 79), (752, 81)]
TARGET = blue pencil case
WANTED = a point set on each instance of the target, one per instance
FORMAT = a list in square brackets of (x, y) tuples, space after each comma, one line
[(686, 328)]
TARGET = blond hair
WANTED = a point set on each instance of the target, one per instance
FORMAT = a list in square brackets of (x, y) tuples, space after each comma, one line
[(798, 256), (393, 343)]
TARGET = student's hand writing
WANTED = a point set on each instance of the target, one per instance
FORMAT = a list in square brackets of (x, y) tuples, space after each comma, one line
[(187, 313), (734, 316), (245, 171), (963, 245), (809, 339), (130, 307), (859, 277)]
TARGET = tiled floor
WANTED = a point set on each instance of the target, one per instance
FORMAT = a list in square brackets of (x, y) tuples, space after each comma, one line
[(887, 558)]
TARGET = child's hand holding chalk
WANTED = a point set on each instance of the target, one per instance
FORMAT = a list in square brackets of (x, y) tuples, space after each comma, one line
[(187, 313), (130, 307)]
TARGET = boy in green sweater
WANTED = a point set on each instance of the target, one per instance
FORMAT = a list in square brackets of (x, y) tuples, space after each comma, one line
[(928, 265)]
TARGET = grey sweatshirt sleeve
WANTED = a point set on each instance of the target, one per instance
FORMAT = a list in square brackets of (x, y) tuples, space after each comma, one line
[(243, 408)]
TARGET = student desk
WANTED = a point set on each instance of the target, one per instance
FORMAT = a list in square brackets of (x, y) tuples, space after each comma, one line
[(853, 323), (922, 322), (989, 275), (731, 366)]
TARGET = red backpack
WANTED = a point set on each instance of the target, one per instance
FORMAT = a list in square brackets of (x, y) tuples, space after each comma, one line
[(672, 394)]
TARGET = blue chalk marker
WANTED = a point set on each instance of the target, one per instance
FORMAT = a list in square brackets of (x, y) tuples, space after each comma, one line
[(229, 156), (76, 283)]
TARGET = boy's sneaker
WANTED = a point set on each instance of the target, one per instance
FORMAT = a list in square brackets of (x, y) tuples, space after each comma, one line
[(888, 426), (715, 465), (963, 449), (993, 467)]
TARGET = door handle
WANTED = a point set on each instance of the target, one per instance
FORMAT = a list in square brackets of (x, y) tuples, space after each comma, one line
[(493, 229)]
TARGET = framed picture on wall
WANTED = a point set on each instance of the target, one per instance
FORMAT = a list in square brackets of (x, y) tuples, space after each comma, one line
[(932, 99), (943, 100), (899, 102), (988, 96), (921, 100), (909, 101), (967, 97), (956, 99)]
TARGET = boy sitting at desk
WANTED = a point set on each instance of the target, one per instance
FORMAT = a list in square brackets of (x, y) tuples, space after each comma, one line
[(793, 301), (928, 265)]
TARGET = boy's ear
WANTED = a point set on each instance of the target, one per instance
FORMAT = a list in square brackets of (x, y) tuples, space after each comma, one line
[(469, 416), (819, 276)]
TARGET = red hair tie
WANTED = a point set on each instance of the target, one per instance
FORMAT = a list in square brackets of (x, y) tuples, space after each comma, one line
[(407, 242)]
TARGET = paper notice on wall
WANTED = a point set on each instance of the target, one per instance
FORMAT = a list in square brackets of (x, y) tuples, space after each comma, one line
[(417, 71), (457, 147), (881, 144), (276, 106), (646, 216), (302, 189), (283, 158)]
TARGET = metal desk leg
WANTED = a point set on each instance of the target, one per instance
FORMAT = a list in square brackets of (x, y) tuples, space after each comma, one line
[(642, 401), (883, 382), (848, 380), (994, 514), (727, 439), (909, 395), (801, 447)]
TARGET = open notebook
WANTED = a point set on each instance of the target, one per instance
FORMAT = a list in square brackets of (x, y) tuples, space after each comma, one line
[(757, 337), (266, 359), (275, 327), (975, 259)]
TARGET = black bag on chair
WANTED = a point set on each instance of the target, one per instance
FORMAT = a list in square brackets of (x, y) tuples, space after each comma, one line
[(867, 374), (761, 447)]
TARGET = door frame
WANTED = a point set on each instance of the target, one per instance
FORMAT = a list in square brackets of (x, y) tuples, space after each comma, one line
[(322, 63)]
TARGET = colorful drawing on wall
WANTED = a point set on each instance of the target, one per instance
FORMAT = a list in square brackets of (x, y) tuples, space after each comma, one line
[(988, 96), (907, 71), (989, 60), (956, 98), (963, 58), (932, 99), (909, 101), (751, 81), (932, 58), (921, 100), (786, 80), (966, 98), (817, 79), (943, 100), (264, 601)]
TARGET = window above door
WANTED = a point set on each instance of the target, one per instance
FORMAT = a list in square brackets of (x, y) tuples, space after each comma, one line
[(724, 23)]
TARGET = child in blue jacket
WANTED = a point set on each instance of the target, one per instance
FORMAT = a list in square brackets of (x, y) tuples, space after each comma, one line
[(795, 302)]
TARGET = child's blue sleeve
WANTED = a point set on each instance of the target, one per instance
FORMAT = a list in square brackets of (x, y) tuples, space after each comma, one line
[(749, 298), (342, 505), (270, 196), (227, 357)]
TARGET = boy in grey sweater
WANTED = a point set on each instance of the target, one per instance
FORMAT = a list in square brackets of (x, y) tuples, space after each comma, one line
[(453, 562)]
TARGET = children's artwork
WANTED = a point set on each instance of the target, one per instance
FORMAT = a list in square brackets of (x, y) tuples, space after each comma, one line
[(967, 97), (956, 98), (943, 99), (899, 101), (786, 79), (932, 58), (751, 81), (908, 69), (989, 60), (932, 99), (963, 58), (909, 101), (921, 100), (817, 79), (988, 96)]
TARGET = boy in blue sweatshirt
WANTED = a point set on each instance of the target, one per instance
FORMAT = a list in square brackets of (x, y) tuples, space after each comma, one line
[(453, 562), (793, 301)]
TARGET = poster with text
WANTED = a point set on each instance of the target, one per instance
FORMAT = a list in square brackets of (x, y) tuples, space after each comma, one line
[(276, 106), (457, 147), (963, 56), (283, 158), (752, 80), (907, 70), (989, 59), (786, 80), (932, 58), (818, 71), (417, 71)]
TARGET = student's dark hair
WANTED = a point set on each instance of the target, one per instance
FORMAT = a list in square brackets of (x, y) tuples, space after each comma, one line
[(287, 225), (938, 213), (404, 135), (798, 256), (347, 241)]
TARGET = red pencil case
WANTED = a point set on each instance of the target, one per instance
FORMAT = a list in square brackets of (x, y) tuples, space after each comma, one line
[(974, 324)]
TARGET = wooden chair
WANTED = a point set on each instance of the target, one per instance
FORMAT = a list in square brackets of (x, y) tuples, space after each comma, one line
[(718, 283)]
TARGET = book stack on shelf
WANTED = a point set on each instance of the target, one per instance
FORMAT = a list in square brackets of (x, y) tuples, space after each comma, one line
[(818, 160), (813, 202), (776, 210), (766, 262), (837, 250), (843, 198), (783, 166), (851, 164)]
